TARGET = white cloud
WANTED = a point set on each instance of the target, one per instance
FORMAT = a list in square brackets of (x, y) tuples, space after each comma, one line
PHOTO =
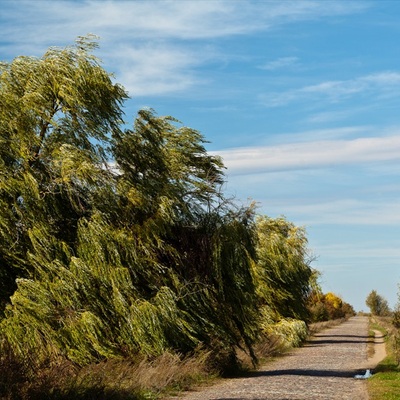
[(345, 212), (348, 212), (279, 63), (190, 19), (380, 83), (151, 64), (165, 19), (386, 78), (331, 182), (325, 134), (318, 154), (156, 69), (326, 117), (366, 250)]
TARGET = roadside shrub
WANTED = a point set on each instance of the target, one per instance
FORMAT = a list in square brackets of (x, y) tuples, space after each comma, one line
[(290, 332), (329, 306)]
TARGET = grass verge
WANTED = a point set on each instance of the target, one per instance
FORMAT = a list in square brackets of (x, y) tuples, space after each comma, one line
[(123, 379), (385, 382)]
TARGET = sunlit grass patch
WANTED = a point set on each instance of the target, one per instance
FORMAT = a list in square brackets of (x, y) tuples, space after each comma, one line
[(385, 382)]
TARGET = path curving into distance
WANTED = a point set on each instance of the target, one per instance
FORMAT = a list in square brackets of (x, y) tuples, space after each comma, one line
[(323, 369)]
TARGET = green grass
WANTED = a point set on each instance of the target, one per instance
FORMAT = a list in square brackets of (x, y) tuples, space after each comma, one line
[(385, 383)]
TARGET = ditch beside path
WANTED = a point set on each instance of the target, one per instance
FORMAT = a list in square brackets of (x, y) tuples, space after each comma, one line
[(323, 369)]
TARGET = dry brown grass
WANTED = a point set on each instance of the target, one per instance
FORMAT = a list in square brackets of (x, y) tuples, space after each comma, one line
[(265, 349), (319, 326), (138, 379)]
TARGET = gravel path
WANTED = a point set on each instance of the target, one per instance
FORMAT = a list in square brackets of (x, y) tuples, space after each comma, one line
[(323, 369)]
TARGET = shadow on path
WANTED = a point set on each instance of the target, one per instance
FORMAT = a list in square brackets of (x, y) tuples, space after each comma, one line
[(333, 341), (320, 339), (306, 372)]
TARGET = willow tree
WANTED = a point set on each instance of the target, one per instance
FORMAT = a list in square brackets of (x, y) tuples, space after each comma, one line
[(56, 115), (283, 272), (121, 239)]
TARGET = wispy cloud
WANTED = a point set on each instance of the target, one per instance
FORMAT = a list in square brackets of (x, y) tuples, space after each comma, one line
[(154, 47), (158, 19), (347, 212), (279, 63), (191, 19), (326, 117), (148, 70), (380, 83), (365, 250), (309, 155), (343, 132)]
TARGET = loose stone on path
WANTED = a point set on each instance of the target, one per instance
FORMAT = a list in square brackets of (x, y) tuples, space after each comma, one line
[(323, 369)]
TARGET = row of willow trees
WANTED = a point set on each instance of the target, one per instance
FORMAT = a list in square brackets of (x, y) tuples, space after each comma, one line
[(115, 241)]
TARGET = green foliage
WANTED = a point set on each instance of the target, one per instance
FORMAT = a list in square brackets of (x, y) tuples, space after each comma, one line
[(283, 271), (56, 114), (105, 263), (396, 313), (138, 256), (291, 333), (166, 168), (396, 317), (377, 304)]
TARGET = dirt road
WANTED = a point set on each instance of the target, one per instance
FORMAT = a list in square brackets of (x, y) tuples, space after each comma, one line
[(323, 369)]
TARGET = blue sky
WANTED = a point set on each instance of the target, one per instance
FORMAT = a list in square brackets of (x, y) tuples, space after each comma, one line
[(301, 99)]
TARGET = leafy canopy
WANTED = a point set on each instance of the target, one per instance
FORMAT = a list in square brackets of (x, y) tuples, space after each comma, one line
[(117, 242), (377, 304)]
